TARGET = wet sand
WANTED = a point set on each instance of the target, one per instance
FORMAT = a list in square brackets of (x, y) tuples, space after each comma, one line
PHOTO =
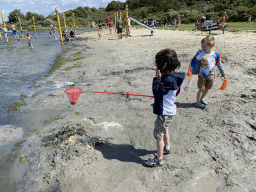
[(100, 143)]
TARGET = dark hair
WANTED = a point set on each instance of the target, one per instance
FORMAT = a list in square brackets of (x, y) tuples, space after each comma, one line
[(167, 61)]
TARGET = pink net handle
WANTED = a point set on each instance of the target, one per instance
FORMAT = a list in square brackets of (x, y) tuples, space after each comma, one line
[(74, 92)]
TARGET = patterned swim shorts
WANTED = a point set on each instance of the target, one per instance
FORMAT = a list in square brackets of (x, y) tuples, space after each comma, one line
[(162, 124)]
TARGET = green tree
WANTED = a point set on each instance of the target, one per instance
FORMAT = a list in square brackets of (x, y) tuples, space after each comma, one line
[(37, 17), (115, 6), (13, 16)]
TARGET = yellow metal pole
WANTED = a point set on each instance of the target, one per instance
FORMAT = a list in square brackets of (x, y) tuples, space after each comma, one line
[(115, 21), (59, 26), (5, 26), (20, 28), (120, 15), (3, 22), (3, 18), (127, 30), (74, 23), (65, 25), (34, 26)]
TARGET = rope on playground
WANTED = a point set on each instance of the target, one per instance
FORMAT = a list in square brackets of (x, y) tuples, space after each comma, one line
[(67, 20)]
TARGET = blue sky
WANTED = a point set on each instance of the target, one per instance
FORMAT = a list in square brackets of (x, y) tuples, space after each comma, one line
[(45, 7)]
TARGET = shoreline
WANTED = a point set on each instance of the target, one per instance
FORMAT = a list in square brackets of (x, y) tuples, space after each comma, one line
[(106, 137)]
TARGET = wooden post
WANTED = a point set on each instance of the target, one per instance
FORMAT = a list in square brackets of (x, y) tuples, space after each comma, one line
[(3, 18), (21, 28), (127, 29), (34, 26), (74, 23), (65, 25), (115, 21), (7, 38), (59, 26)]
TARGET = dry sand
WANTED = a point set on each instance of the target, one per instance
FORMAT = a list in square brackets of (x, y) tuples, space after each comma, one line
[(107, 137)]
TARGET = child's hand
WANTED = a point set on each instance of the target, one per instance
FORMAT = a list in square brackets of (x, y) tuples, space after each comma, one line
[(225, 76), (158, 73)]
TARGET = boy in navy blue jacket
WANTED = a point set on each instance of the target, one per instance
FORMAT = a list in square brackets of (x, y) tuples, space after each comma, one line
[(165, 89)]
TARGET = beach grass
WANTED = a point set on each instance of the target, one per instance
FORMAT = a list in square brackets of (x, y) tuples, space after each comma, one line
[(17, 105), (59, 61), (232, 27), (23, 158)]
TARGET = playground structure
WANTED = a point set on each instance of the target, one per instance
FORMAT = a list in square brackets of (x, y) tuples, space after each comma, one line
[(152, 30), (73, 23)]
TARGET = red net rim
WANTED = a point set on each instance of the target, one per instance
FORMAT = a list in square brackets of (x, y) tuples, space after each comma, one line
[(73, 90)]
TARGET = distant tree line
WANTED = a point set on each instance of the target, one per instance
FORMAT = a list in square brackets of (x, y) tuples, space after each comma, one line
[(164, 10)]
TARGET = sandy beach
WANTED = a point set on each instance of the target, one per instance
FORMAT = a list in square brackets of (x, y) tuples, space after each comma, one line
[(100, 143)]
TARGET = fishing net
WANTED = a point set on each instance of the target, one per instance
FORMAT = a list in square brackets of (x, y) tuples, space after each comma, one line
[(73, 94)]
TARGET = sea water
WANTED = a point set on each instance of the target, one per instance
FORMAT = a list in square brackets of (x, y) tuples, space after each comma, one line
[(20, 67)]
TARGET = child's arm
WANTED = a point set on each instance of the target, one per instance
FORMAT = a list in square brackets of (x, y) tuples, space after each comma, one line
[(220, 65), (195, 64)]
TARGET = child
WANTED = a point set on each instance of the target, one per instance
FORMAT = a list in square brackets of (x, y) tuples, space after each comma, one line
[(100, 31), (110, 27), (165, 89), (5, 29), (14, 31), (29, 40), (65, 33), (54, 32), (206, 60)]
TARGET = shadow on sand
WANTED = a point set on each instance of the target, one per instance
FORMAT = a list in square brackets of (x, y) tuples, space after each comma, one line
[(125, 153), (185, 105)]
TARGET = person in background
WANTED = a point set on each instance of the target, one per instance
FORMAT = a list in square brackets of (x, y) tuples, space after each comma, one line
[(110, 27), (100, 30), (14, 31), (5, 29), (120, 25), (223, 17), (54, 32)]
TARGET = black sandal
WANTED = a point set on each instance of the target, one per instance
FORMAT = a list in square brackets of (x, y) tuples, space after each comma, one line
[(166, 152), (154, 162)]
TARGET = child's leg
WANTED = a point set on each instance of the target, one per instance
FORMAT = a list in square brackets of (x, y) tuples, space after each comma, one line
[(208, 85), (201, 86), (199, 96), (167, 141), (160, 149), (204, 94)]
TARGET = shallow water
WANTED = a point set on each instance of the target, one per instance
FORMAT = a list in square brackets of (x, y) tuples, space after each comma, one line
[(20, 67)]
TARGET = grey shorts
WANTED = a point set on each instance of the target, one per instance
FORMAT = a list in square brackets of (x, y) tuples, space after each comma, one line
[(161, 126)]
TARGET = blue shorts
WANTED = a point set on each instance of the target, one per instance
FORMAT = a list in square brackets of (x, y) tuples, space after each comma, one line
[(120, 30), (29, 42), (6, 32), (14, 32), (54, 32)]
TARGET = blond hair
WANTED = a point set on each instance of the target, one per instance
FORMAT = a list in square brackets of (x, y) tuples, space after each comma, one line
[(209, 40)]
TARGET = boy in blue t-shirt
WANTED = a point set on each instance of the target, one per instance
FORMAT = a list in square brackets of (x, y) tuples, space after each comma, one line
[(165, 89)]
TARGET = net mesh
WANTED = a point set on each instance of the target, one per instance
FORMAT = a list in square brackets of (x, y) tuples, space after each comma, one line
[(73, 94)]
